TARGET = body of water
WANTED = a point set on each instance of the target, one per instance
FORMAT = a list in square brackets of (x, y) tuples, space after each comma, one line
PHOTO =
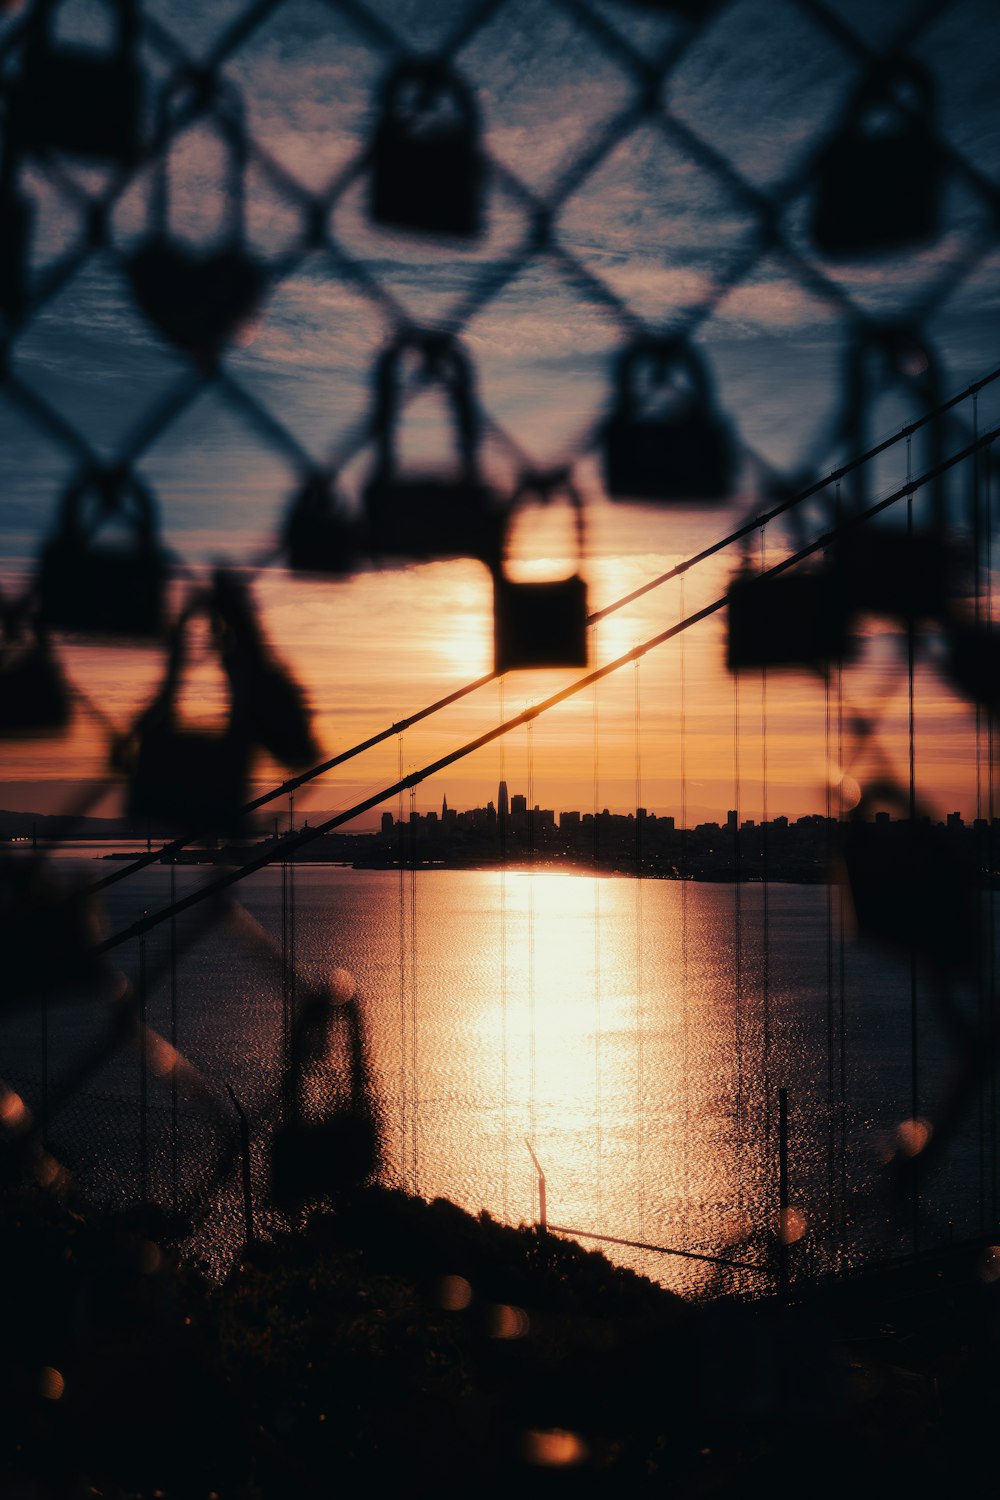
[(635, 1033)]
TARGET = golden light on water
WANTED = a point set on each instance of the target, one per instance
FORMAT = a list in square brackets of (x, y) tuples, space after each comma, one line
[(582, 1035)]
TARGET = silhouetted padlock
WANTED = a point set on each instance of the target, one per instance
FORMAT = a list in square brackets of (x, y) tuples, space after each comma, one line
[(336, 1151), (79, 99), (199, 299), (191, 780), (310, 1159), (34, 698), (49, 931), (887, 570), (973, 662), (794, 619), (429, 516), (316, 536), (912, 888), (273, 713), (541, 624), (667, 442), (907, 572), (879, 178), (110, 589), (16, 222), (426, 163)]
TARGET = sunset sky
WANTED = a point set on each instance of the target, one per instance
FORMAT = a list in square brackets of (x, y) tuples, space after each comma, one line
[(757, 91)]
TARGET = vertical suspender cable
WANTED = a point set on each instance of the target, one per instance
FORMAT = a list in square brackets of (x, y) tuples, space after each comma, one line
[(414, 1018), (640, 1081), (598, 1141), (44, 1120), (841, 954), (174, 1042), (828, 888), (532, 1116), (992, 848), (502, 832), (401, 849), (980, 842), (738, 946), (841, 947), (285, 1062), (143, 1079), (290, 967), (912, 807), (765, 897), (686, 1019)]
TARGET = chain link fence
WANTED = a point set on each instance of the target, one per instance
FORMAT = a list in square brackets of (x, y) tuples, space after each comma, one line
[(665, 253)]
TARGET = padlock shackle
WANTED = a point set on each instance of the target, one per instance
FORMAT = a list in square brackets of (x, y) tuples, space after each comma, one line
[(133, 504), (874, 91), (125, 12), (229, 124), (889, 345), (232, 608), (663, 355), (545, 487), (162, 708), (444, 363), (433, 75)]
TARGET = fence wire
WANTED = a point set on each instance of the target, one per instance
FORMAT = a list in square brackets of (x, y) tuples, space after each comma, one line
[(879, 231)]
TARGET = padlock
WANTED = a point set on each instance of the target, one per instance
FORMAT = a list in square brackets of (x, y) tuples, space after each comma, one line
[(34, 697), (427, 165), (912, 888), (78, 99), (199, 299), (541, 624), (16, 223), (107, 589), (274, 714), (316, 536), (907, 573), (430, 516), (973, 662), (685, 450), (49, 933), (879, 178), (189, 780), (795, 619), (310, 1160), (338, 1150)]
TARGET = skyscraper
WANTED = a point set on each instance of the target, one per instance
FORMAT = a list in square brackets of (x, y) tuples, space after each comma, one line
[(502, 804)]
